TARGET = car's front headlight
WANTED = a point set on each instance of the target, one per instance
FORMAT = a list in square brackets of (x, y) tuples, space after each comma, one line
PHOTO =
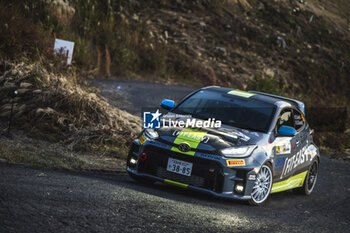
[(242, 151), (151, 134)]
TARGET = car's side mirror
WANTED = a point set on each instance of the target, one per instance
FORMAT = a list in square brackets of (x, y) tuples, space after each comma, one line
[(286, 131), (167, 104)]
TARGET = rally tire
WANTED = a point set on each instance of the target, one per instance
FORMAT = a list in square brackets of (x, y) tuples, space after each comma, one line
[(141, 179), (310, 180), (262, 186)]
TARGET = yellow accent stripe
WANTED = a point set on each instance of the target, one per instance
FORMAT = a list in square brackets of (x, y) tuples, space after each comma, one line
[(191, 137), (292, 182), (302, 116), (241, 93), (178, 184)]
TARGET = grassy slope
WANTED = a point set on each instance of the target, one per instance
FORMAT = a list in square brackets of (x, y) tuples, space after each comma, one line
[(201, 42), (58, 121)]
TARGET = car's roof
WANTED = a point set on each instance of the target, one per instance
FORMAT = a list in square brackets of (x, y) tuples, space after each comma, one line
[(264, 98)]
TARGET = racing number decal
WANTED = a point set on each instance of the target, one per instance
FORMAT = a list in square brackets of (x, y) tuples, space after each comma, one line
[(283, 149)]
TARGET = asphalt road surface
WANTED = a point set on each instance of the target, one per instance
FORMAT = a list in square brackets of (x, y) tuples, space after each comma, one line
[(132, 96), (39, 200)]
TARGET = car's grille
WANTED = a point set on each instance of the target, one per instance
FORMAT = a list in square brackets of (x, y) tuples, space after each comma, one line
[(205, 173)]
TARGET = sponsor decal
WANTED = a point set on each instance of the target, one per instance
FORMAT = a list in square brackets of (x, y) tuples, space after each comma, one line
[(295, 161), (311, 152), (284, 148), (279, 163), (235, 162), (252, 177), (142, 139), (208, 156), (243, 94), (191, 137), (254, 133), (249, 132)]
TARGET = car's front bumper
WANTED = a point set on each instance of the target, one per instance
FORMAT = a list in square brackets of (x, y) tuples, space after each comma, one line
[(190, 187), (211, 173)]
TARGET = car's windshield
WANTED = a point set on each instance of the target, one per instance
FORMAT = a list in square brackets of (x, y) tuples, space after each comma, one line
[(245, 113)]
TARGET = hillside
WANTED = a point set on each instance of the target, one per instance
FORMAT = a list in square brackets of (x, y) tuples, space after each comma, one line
[(303, 46), (297, 43), (294, 48)]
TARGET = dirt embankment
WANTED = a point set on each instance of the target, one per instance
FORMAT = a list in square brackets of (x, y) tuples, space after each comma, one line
[(63, 112)]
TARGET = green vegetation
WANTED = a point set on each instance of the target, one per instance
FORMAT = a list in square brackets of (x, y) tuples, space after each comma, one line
[(267, 84)]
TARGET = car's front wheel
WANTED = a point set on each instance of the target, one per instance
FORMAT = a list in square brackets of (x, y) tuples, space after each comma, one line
[(262, 186)]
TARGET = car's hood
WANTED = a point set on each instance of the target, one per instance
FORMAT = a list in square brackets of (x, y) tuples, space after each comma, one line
[(209, 139)]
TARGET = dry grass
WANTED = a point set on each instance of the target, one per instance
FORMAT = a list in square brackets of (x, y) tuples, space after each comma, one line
[(55, 107), (21, 149)]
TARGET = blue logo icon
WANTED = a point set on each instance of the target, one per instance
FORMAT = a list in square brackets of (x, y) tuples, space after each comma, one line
[(151, 120)]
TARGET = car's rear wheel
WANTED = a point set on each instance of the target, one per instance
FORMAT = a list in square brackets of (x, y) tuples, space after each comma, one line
[(262, 186), (310, 179)]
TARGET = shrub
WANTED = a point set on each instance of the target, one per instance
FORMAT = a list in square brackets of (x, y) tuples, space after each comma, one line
[(19, 35), (266, 84)]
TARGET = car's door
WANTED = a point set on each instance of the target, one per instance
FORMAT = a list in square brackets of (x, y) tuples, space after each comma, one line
[(301, 160), (299, 125), (285, 147)]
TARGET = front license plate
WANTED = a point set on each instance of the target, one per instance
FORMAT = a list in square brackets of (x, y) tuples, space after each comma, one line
[(179, 167)]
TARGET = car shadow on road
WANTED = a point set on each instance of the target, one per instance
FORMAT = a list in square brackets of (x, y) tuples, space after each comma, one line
[(278, 200)]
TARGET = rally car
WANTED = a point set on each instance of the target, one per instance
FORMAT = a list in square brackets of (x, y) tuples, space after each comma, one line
[(264, 145)]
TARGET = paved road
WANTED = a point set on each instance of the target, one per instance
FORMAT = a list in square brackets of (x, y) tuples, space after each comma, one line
[(37, 200), (132, 96)]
